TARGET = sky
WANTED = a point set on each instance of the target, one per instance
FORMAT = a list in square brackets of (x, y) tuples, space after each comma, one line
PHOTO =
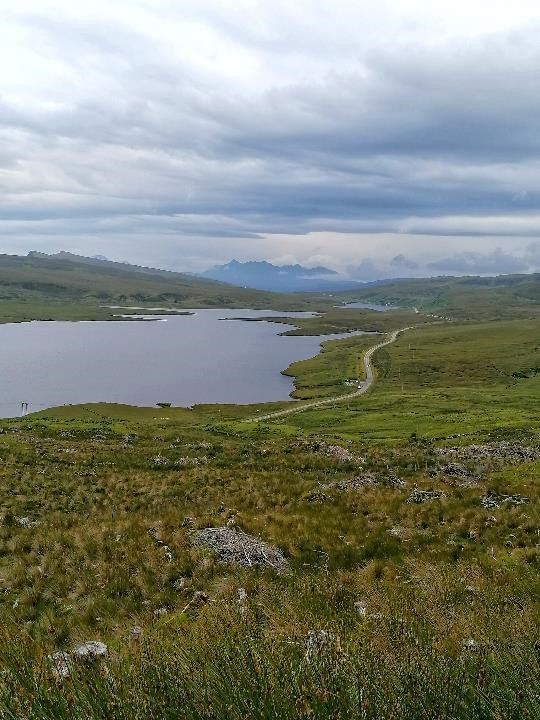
[(381, 139)]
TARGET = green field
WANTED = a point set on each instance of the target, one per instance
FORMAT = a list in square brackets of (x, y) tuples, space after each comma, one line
[(389, 609)]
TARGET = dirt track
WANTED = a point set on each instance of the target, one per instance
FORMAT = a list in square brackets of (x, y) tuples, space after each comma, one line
[(362, 388)]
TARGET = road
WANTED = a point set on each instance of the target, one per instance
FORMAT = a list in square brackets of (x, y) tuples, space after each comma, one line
[(363, 386)]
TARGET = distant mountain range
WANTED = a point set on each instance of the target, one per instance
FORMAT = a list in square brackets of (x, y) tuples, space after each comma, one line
[(262, 275)]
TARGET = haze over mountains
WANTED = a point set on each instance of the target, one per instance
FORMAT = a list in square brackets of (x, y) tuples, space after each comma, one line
[(263, 275)]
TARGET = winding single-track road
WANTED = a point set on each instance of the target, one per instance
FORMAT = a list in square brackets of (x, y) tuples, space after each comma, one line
[(363, 386)]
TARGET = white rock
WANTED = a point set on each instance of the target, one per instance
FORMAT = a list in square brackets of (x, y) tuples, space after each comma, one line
[(26, 522), (59, 662), (91, 650)]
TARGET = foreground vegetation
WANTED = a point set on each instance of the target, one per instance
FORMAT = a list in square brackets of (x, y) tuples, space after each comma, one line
[(426, 610), (412, 584), (422, 610)]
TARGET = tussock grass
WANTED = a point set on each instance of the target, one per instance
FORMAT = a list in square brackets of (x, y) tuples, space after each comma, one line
[(111, 549)]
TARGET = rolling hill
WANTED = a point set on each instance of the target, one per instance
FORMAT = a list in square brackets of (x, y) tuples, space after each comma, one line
[(66, 286), (471, 297)]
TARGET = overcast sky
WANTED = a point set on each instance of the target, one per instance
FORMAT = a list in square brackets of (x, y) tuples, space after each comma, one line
[(384, 138)]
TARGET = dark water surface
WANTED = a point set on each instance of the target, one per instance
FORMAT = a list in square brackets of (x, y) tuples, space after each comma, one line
[(183, 360)]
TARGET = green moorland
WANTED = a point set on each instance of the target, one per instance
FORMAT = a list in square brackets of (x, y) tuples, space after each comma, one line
[(506, 296), (69, 287), (395, 604)]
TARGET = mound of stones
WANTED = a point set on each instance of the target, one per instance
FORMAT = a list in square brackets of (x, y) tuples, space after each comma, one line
[(510, 452), (493, 500), (421, 496), (454, 473), (316, 497), (340, 453), (337, 452), (234, 546), (364, 481), (355, 483)]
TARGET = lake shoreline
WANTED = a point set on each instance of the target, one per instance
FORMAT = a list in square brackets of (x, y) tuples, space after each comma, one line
[(51, 364)]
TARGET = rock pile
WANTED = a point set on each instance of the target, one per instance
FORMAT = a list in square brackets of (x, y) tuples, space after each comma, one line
[(155, 535), (421, 496), (340, 453), (233, 545), (355, 483), (316, 497), (492, 500), (91, 650), (457, 474), (511, 452), (187, 461), (60, 664), (363, 481), (400, 532)]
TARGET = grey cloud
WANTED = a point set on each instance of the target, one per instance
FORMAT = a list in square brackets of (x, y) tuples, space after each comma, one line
[(367, 270), (532, 255), (160, 142), (496, 262), (400, 261)]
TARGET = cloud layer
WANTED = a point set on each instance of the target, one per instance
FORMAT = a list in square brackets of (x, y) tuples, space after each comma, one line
[(183, 134)]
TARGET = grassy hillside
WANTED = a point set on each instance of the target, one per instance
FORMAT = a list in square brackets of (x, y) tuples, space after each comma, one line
[(435, 381), (71, 288), (408, 519), (463, 298), (390, 608)]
